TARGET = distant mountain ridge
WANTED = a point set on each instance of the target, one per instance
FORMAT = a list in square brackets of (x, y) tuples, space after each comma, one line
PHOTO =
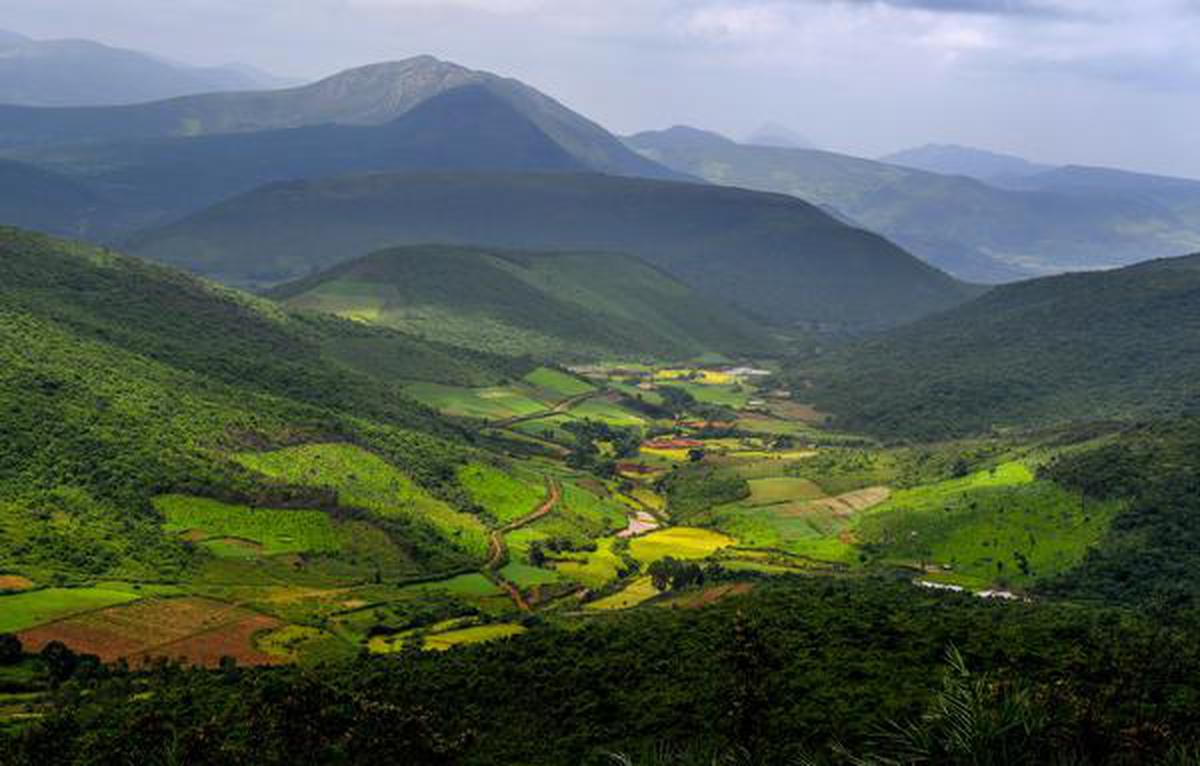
[(772, 256), (64, 73), (565, 306), (467, 128), (1074, 347), (973, 230), (955, 160), (369, 95)]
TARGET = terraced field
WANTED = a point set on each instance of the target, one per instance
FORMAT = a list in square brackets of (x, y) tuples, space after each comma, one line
[(23, 610)]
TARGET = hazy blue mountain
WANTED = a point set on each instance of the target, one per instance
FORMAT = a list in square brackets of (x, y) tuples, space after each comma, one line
[(774, 134), (467, 128), (954, 160), (772, 256), (39, 199), (1180, 195), (58, 73), (973, 230), (1086, 346), (370, 95)]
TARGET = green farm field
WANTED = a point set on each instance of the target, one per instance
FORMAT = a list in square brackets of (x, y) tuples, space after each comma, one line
[(364, 480), (274, 531), (19, 611)]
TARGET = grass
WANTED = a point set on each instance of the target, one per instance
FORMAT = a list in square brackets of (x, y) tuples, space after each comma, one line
[(471, 585), (364, 480), (678, 542), (607, 412), (26, 610), (732, 396), (496, 403), (641, 589), (503, 495), (276, 531), (524, 575), (597, 568), (769, 491), (440, 642), (1009, 535), (557, 382)]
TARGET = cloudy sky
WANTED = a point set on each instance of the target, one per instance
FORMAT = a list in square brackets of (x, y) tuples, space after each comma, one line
[(1112, 82)]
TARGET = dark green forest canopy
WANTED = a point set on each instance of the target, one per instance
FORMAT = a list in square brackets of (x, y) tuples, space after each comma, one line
[(796, 666), (1077, 347)]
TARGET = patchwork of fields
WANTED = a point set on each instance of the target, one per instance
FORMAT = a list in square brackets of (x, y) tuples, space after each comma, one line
[(620, 483)]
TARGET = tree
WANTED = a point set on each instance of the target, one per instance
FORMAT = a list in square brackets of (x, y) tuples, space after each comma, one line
[(11, 650), (60, 661)]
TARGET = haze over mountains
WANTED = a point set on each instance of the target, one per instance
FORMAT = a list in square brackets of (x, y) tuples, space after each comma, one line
[(954, 160), (772, 256), (973, 230), (82, 72)]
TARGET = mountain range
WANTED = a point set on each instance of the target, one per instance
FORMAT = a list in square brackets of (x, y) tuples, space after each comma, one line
[(973, 230), (772, 256), (63, 73), (954, 160)]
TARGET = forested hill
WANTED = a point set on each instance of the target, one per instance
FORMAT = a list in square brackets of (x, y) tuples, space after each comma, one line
[(563, 305), (1050, 223), (770, 255), (1113, 344), (121, 380)]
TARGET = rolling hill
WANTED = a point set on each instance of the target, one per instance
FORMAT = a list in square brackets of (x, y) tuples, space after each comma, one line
[(772, 256), (970, 229), (568, 306), (123, 380), (62, 73), (370, 95), (41, 199), (1075, 347)]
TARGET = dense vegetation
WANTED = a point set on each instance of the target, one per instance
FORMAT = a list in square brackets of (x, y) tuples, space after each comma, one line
[(1150, 555), (793, 669), (560, 306), (121, 380), (973, 230), (769, 255), (1076, 347)]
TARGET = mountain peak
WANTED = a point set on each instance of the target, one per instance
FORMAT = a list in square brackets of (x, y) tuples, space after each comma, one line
[(778, 136)]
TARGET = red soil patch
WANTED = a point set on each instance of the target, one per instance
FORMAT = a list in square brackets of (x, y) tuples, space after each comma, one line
[(15, 582), (234, 639), (188, 628)]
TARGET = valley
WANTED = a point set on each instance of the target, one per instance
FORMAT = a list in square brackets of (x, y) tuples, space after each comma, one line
[(408, 415)]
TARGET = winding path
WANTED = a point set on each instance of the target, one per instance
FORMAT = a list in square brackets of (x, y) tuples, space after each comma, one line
[(499, 550)]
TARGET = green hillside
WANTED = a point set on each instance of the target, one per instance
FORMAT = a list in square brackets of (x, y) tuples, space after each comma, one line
[(122, 380), (972, 230), (1087, 346), (567, 306), (771, 256)]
